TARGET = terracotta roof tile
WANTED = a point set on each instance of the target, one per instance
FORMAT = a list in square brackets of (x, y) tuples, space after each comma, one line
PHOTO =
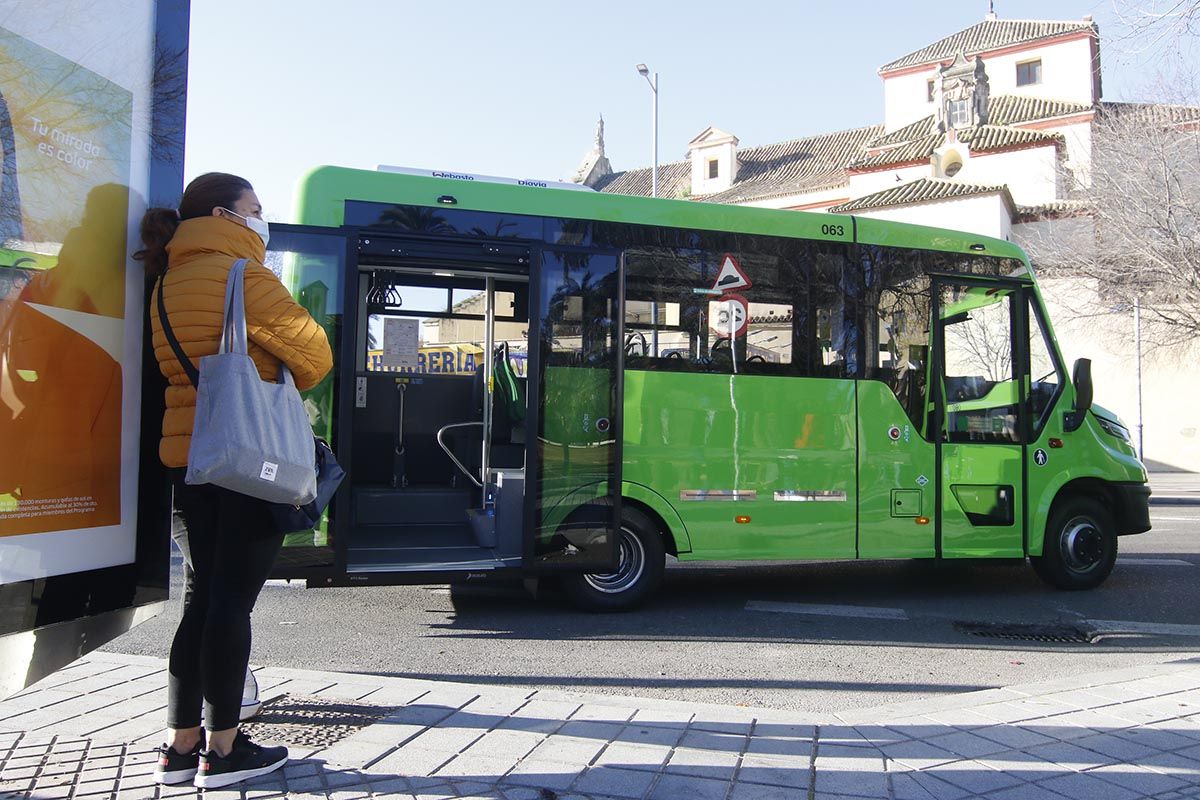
[(911, 131), (798, 165), (1054, 208), (922, 190), (978, 140), (1151, 113), (987, 35), (998, 137), (1011, 109), (674, 180)]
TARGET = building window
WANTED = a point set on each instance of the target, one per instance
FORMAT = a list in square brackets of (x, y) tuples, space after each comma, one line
[(1029, 73), (712, 168), (960, 113), (928, 91)]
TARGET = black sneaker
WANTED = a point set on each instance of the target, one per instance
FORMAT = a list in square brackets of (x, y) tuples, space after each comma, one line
[(245, 760), (176, 767)]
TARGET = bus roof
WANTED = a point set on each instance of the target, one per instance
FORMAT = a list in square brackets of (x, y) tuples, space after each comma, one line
[(322, 193)]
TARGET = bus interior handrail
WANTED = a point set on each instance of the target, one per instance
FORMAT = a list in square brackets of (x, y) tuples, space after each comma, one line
[(442, 444)]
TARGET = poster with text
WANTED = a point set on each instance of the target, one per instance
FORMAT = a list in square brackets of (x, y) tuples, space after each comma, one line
[(64, 205)]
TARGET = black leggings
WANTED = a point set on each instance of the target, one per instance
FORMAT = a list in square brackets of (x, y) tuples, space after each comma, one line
[(229, 546)]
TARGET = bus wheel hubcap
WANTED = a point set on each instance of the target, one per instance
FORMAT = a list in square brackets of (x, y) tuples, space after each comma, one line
[(1082, 545), (629, 569)]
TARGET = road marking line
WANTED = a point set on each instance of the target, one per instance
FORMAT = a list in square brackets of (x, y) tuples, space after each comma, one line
[(1156, 562), (1178, 519), (1161, 628), (860, 612)]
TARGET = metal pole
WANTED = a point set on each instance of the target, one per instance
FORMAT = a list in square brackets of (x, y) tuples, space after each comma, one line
[(654, 324), (1137, 360), (654, 192), (489, 378), (654, 177)]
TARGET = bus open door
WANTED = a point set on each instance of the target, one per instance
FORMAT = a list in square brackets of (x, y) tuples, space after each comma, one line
[(458, 363)]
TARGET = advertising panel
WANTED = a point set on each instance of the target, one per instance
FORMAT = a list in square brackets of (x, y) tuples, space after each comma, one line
[(76, 94)]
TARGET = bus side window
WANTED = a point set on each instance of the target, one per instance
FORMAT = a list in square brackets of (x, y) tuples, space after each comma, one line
[(769, 334), (788, 310), (830, 336), (1045, 381)]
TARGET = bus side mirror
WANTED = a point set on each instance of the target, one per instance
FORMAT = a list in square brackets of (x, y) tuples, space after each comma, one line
[(1081, 376)]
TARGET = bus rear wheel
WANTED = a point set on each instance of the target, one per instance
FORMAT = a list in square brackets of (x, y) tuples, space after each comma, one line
[(639, 571), (1080, 548)]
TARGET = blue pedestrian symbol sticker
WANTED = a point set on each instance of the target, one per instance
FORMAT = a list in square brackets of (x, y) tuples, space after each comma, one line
[(1040, 457)]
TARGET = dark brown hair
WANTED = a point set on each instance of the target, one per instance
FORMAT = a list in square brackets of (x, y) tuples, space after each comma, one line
[(199, 199)]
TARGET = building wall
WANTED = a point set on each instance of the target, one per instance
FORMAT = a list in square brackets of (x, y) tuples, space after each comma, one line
[(905, 98), (1170, 415), (1031, 175), (726, 156), (1078, 154), (1066, 75), (987, 215), (1066, 71), (869, 182), (1088, 327)]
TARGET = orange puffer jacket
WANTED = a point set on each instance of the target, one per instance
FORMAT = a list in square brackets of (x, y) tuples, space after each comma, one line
[(279, 329)]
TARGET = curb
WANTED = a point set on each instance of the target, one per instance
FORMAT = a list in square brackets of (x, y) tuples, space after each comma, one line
[(1168, 500)]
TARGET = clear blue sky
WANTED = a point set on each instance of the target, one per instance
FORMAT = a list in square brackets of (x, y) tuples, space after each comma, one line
[(514, 88)]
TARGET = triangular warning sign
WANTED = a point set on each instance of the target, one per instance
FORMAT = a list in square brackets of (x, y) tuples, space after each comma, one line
[(731, 276)]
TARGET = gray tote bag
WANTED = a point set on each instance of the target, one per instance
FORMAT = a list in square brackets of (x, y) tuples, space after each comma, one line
[(251, 436)]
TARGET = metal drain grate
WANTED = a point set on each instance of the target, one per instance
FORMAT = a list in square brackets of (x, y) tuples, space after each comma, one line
[(1057, 634), (313, 722)]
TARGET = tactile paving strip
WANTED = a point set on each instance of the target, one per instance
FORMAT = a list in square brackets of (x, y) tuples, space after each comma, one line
[(312, 722)]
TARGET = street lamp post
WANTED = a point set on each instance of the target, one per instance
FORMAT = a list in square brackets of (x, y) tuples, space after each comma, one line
[(645, 73)]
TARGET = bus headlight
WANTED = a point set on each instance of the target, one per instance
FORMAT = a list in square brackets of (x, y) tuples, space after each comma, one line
[(1115, 429)]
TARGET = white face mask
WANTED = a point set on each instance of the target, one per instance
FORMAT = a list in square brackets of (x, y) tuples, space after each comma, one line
[(255, 224)]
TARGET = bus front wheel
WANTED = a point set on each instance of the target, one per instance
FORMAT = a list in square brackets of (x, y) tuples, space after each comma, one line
[(639, 571), (1080, 548)]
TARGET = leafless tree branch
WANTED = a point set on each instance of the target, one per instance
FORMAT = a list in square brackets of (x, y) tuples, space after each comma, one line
[(1136, 229)]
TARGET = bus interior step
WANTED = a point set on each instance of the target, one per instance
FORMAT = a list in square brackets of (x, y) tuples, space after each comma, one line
[(421, 559), (419, 534), (413, 505)]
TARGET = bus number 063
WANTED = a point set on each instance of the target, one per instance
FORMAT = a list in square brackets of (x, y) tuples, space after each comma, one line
[(833, 230)]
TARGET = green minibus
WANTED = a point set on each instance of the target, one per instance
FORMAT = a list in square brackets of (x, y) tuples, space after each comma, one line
[(536, 381)]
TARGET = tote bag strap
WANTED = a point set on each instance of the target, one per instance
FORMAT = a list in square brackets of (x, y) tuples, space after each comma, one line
[(233, 337), (188, 367)]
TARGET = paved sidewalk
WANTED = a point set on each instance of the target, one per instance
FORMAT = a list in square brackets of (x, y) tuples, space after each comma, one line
[(90, 729)]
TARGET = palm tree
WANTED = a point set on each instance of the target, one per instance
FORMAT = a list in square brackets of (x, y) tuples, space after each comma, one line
[(416, 219)]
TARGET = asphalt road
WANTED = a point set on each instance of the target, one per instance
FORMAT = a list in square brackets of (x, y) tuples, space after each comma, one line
[(812, 636)]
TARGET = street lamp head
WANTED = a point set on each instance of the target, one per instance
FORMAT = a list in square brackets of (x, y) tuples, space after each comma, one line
[(642, 70)]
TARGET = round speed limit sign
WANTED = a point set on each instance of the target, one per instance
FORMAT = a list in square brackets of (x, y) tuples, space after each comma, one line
[(729, 316)]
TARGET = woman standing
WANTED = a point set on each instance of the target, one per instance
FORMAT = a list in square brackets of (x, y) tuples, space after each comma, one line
[(230, 542)]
